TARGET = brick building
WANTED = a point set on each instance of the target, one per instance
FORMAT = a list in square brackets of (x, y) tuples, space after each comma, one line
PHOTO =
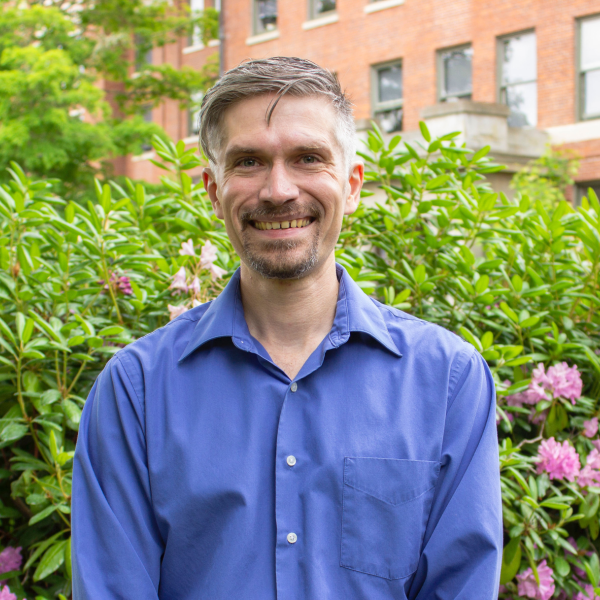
[(514, 74)]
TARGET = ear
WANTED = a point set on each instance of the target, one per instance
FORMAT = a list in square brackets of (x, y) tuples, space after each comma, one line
[(355, 182), (210, 185)]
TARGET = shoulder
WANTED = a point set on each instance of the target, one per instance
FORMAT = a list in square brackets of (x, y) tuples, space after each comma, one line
[(428, 345), (162, 347)]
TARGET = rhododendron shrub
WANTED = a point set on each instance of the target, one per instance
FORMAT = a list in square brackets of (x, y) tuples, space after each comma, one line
[(518, 282)]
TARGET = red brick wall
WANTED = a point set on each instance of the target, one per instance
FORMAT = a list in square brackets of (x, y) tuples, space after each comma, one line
[(413, 32)]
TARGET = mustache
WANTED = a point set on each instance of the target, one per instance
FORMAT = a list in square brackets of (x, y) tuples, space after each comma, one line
[(280, 212)]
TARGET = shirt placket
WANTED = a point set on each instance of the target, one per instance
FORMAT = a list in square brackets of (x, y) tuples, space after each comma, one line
[(290, 468)]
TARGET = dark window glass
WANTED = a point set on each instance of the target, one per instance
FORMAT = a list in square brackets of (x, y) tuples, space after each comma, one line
[(390, 83), (390, 120), (323, 6), (519, 79), (457, 73), (590, 67), (266, 15)]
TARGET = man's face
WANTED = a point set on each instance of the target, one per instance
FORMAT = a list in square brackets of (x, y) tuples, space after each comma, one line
[(282, 188)]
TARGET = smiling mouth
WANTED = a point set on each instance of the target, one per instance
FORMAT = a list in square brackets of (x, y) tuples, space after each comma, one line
[(296, 223)]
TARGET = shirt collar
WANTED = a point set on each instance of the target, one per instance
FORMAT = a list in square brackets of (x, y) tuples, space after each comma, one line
[(355, 311)]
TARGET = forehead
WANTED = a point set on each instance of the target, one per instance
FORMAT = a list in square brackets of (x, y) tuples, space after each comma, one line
[(295, 121)]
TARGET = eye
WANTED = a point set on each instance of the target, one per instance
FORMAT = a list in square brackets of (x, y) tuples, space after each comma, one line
[(310, 159), (247, 162)]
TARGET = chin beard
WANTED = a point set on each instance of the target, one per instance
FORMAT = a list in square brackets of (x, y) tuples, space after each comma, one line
[(273, 262)]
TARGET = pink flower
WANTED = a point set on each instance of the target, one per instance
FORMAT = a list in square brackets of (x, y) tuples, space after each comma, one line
[(560, 379), (124, 286), (588, 594), (565, 381), (590, 428), (187, 248), (175, 311), (10, 560), (216, 272), (590, 474), (208, 255), (195, 286), (560, 461), (529, 587), (532, 395), (5, 594), (178, 283)]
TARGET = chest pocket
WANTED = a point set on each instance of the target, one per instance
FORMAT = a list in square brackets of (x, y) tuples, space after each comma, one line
[(386, 507)]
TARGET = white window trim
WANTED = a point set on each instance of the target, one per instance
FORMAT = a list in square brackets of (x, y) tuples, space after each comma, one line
[(192, 139), (382, 5), (192, 49), (328, 19), (259, 38), (143, 156)]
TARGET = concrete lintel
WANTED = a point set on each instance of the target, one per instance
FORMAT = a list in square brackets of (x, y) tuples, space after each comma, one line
[(465, 106)]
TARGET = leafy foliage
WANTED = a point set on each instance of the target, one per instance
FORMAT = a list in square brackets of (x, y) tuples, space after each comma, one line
[(517, 280), (547, 178), (56, 120)]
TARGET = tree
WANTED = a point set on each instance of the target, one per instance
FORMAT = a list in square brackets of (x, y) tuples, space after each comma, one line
[(547, 178), (60, 60)]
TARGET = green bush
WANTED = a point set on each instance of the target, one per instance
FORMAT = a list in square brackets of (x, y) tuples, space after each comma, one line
[(518, 282)]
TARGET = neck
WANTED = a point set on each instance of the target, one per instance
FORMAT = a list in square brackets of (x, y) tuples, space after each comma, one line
[(290, 318)]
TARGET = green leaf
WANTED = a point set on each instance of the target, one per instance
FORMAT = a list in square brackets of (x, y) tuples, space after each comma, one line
[(424, 131), (42, 515), (472, 339), (509, 312), (511, 560), (112, 330), (53, 558)]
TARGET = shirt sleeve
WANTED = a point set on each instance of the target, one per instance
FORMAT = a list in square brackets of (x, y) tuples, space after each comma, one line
[(462, 546), (116, 544)]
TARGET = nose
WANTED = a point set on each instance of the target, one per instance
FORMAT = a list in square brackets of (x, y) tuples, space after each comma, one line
[(278, 187)]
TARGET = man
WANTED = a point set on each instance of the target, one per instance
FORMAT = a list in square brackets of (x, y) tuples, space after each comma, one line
[(293, 439)]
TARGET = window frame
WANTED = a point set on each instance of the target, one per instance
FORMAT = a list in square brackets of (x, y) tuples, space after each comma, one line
[(580, 73), (312, 13), (581, 189), (376, 105), (500, 88), (255, 20), (193, 41), (441, 97)]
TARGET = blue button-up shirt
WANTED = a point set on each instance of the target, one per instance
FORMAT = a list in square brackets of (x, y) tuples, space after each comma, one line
[(185, 485)]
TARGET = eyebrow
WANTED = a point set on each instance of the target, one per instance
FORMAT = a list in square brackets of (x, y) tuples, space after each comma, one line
[(243, 150)]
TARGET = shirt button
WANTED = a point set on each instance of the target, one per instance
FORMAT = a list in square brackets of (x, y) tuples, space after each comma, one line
[(294, 386), (292, 538), (291, 460)]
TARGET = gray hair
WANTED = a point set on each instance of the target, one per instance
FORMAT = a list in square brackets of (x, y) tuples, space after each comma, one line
[(278, 75)]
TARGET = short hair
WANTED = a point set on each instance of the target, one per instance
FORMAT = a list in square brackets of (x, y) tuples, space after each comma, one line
[(278, 75)]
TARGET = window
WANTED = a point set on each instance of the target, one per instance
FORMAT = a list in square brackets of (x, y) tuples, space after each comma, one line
[(582, 189), (147, 116), (518, 78), (387, 96), (589, 68), (455, 73), (143, 53), (196, 8), (320, 7), (265, 15), (194, 113)]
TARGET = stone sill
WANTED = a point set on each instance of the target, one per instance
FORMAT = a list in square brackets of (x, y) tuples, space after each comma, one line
[(321, 21), (382, 5), (267, 36)]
